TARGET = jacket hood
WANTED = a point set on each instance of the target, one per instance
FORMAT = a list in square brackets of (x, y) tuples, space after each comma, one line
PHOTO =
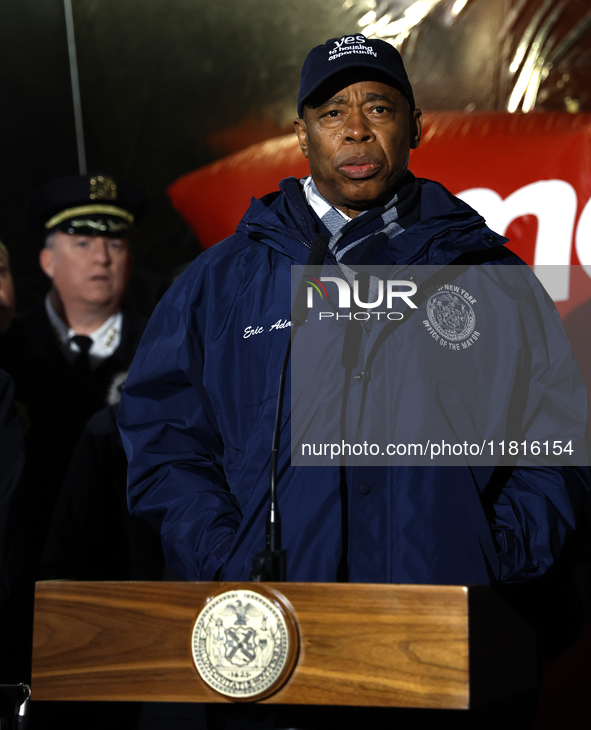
[(284, 221)]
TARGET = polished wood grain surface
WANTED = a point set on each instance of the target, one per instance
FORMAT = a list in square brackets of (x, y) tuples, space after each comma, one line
[(360, 644)]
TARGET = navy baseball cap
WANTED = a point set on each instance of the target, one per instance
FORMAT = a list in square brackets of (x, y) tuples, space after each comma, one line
[(352, 51)]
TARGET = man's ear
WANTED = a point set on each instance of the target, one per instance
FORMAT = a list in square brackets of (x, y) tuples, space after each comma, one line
[(300, 130), (416, 128), (47, 261)]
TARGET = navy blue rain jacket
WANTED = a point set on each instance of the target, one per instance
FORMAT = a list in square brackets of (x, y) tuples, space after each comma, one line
[(198, 408)]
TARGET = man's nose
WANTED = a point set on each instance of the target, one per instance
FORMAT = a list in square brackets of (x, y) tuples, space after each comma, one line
[(358, 127), (102, 251)]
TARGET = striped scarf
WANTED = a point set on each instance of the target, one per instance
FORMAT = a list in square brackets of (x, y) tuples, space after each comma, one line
[(369, 238)]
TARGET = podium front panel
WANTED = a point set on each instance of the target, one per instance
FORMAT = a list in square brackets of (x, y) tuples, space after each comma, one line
[(359, 644)]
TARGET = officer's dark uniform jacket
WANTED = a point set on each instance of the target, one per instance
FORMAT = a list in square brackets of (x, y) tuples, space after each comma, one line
[(198, 409), (55, 400)]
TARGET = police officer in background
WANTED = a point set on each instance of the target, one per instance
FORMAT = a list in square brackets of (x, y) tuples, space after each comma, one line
[(65, 351)]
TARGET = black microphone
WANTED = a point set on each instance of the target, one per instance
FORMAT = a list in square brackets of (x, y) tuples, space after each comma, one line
[(270, 563)]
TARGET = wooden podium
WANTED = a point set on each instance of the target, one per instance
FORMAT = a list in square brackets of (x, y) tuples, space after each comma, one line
[(450, 647)]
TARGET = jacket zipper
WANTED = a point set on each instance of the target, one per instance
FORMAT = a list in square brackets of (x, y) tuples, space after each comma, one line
[(277, 230), (302, 216), (283, 232)]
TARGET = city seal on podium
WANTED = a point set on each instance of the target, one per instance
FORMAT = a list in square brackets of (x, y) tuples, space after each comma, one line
[(245, 644)]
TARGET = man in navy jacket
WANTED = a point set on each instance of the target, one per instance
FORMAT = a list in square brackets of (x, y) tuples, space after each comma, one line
[(199, 405)]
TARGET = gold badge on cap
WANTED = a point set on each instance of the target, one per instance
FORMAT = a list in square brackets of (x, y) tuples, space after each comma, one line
[(103, 187)]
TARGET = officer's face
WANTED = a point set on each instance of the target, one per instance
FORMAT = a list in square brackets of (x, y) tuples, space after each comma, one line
[(7, 298), (357, 141), (89, 270)]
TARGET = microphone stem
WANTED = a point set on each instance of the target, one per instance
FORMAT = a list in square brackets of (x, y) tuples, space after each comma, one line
[(270, 563), (273, 518)]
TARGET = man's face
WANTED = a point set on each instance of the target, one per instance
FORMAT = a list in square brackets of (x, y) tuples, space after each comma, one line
[(87, 270), (357, 142), (7, 297)]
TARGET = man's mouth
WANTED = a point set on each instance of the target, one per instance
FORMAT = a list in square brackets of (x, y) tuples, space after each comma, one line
[(359, 169)]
